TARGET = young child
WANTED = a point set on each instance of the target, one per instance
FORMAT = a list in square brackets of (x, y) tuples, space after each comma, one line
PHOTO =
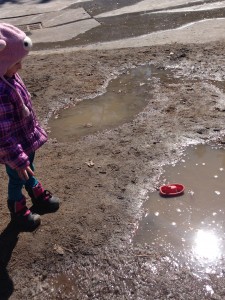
[(20, 132)]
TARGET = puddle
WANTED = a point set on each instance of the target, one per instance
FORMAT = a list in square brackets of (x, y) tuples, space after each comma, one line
[(191, 227), (126, 96)]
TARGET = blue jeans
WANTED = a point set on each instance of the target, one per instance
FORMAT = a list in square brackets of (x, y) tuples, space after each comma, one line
[(16, 184)]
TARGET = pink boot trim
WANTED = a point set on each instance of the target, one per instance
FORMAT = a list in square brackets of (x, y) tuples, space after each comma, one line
[(20, 206), (38, 190)]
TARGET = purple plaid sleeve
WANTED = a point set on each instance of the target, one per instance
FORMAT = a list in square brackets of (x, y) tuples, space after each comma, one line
[(11, 152), (19, 135)]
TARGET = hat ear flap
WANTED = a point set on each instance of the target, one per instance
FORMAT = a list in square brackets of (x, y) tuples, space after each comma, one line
[(2, 45)]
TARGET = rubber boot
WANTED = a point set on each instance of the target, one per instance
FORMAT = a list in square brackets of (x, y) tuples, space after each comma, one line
[(43, 200), (22, 216)]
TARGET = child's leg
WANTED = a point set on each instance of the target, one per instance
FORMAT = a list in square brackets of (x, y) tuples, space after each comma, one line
[(15, 186), (32, 181), (42, 199), (17, 202)]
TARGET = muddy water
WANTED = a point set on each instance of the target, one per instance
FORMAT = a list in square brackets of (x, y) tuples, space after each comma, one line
[(126, 96), (190, 228)]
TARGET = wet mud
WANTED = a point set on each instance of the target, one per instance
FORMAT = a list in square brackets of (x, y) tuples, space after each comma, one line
[(85, 250), (125, 97)]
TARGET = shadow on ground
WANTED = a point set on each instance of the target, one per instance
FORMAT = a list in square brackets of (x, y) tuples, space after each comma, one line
[(8, 241)]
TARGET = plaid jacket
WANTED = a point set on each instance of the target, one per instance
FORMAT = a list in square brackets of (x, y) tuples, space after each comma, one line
[(19, 135)]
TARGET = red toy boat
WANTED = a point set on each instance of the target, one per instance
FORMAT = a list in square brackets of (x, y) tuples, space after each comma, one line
[(172, 189)]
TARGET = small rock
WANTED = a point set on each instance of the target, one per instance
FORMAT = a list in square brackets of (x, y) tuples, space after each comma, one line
[(59, 250), (88, 125), (90, 163)]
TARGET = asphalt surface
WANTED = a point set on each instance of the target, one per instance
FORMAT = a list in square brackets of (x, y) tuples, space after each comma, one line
[(61, 24)]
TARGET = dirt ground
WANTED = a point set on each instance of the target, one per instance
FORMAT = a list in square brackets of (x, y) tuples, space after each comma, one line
[(84, 251)]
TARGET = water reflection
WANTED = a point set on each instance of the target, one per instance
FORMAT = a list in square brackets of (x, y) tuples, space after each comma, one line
[(126, 96), (190, 228), (207, 246)]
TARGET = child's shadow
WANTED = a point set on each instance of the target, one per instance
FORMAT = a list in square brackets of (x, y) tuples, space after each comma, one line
[(8, 241)]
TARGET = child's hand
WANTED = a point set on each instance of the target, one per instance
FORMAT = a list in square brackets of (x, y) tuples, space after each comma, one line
[(24, 173)]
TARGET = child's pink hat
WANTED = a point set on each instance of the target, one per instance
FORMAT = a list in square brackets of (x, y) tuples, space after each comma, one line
[(14, 45)]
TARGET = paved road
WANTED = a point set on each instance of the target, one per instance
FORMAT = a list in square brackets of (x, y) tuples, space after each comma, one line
[(107, 24)]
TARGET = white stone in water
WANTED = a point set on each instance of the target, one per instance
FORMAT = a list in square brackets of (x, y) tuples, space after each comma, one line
[(209, 289)]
